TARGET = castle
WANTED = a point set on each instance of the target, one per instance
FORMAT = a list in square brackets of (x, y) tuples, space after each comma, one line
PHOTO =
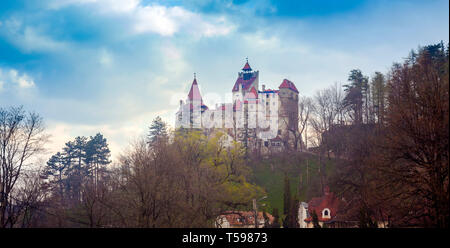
[(263, 120)]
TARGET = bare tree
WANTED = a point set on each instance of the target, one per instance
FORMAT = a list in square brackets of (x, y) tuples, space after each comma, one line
[(418, 134), (305, 108), (324, 115), (21, 137)]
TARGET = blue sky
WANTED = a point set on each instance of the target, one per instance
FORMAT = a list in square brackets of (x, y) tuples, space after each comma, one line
[(111, 66)]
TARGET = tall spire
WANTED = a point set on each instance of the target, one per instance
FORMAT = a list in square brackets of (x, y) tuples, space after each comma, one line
[(194, 93), (247, 66)]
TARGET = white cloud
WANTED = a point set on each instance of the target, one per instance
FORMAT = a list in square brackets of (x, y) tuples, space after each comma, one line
[(158, 19), (30, 39), (119, 134), (11, 77), (104, 5), (105, 58), (154, 18)]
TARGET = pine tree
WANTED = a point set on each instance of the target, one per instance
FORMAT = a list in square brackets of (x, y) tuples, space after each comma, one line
[(97, 155), (276, 218), (158, 131), (74, 156), (293, 218), (56, 167), (357, 95), (287, 195), (378, 85)]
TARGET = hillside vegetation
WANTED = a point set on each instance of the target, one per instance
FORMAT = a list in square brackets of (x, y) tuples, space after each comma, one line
[(302, 170)]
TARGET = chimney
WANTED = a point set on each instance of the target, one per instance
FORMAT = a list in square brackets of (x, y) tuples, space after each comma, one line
[(263, 87)]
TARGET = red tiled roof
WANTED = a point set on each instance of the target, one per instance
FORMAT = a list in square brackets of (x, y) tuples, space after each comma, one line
[(318, 218), (288, 85), (276, 139), (194, 93), (318, 204), (245, 83), (247, 67), (252, 94), (241, 218)]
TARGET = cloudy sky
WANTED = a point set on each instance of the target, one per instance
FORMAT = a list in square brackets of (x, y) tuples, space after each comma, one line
[(111, 66)]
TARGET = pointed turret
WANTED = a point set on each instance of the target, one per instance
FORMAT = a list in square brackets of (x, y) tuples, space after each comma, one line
[(194, 96), (246, 78), (194, 93), (247, 67)]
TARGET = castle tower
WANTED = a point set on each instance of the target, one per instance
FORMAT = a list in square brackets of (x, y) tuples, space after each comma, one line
[(288, 110), (194, 95), (190, 113), (247, 79)]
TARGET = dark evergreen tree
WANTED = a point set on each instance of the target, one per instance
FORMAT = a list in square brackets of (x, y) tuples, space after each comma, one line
[(276, 218), (378, 85), (97, 156), (56, 167), (287, 195), (75, 155), (81, 159), (158, 131), (293, 213), (356, 94)]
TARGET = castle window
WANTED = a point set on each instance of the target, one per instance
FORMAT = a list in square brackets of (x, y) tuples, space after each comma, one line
[(326, 213), (266, 143), (267, 95), (279, 131)]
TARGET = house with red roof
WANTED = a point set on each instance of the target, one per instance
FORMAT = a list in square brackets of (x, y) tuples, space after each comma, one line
[(325, 207), (243, 219)]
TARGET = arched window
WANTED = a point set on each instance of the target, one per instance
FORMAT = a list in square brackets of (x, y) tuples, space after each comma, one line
[(326, 213)]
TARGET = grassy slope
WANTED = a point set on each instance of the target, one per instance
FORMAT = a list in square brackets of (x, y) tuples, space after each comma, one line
[(269, 174)]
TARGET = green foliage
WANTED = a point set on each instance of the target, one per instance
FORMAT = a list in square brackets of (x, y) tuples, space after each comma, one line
[(286, 195), (270, 174), (356, 91), (80, 159), (185, 183), (379, 94), (276, 216), (97, 151), (158, 130)]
